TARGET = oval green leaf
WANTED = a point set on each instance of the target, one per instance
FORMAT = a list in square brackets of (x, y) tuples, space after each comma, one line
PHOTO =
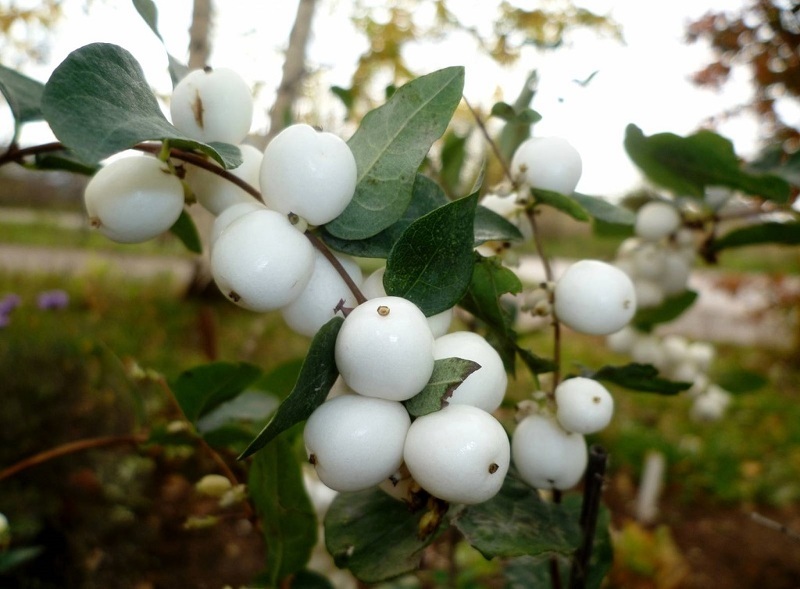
[(448, 374)]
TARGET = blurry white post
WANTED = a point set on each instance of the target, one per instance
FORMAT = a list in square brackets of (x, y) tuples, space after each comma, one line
[(650, 487)]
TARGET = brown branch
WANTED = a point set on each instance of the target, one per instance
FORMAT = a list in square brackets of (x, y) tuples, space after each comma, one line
[(71, 448), (492, 144), (337, 265)]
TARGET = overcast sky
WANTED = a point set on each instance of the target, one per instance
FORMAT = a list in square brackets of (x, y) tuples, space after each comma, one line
[(644, 81)]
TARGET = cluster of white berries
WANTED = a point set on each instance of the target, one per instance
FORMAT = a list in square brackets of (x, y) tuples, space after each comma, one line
[(660, 257), (364, 437), (659, 261)]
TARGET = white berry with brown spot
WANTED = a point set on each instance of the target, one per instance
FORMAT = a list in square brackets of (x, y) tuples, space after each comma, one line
[(356, 442), (460, 454), (584, 405), (385, 349), (133, 199)]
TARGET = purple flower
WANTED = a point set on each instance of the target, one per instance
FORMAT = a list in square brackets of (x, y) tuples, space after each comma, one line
[(8, 303), (52, 299)]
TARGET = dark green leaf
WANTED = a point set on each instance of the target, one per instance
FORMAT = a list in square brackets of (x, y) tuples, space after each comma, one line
[(24, 96), (316, 378), (287, 516), (687, 165), (602, 210), (490, 226), (345, 95), (536, 364), (98, 103), (515, 132), (185, 230), (14, 557), (741, 381), (427, 197), (310, 580), (374, 535), (453, 156), (528, 116), (63, 160), (517, 522), (561, 202), (389, 146), (148, 11), (671, 308), (431, 264), (763, 233), (491, 280), (638, 377), (201, 389), (448, 373)]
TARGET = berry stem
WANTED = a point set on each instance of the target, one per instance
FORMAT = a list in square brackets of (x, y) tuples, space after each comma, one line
[(337, 265)]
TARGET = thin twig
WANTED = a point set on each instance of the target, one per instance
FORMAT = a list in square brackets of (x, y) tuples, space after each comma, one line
[(775, 525), (590, 511), (490, 141), (337, 265), (71, 448)]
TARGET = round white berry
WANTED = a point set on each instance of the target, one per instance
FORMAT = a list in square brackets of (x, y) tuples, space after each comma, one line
[(649, 260), (356, 442), (711, 404), (656, 220), (230, 214), (546, 456), (622, 341), (261, 262), (649, 293), (584, 405), (133, 199), (319, 300), (675, 348), (484, 388), (702, 354), (648, 350), (212, 105), (677, 270), (385, 349), (309, 173), (459, 454), (215, 193), (550, 163), (594, 297)]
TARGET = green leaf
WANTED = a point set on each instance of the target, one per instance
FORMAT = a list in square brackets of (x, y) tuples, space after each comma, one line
[(389, 146), (287, 516), (763, 233), (201, 389), (374, 535), (517, 522), (14, 557), (185, 230), (310, 580), (491, 280), (448, 373), (536, 364), (741, 381), (431, 264), (515, 132), (671, 308), (503, 111), (63, 160), (24, 97), (602, 210), (316, 378), (561, 202), (426, 197), (687, 165), (98, 103), (149, 13), (453, 157), (490, 226), (638, 377)]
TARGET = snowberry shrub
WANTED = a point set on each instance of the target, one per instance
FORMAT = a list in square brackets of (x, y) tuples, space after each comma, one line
[(133, 199)]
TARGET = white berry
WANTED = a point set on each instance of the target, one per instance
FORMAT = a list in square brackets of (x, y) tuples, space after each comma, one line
[(212, 105), (356, 442), (459, 454), (133, 199), (317, 303), (385, 349), (584, 405), (309, 173), (656, 220), (215, 193), (594, 297), (484, 388), (230, 214), (550, 163), (261, 262), (547, 456)]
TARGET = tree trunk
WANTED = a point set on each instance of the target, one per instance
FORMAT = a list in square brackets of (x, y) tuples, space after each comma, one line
[(294, 70)]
